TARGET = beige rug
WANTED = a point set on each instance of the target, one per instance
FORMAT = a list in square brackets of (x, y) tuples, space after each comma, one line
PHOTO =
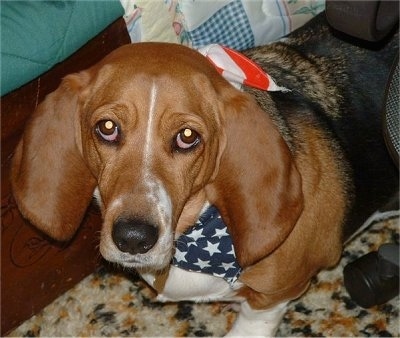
[(116, 304)]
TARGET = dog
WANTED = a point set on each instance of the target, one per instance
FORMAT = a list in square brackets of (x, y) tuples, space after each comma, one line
[(160, 138)]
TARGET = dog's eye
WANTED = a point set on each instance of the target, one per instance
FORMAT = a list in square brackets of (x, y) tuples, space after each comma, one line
[(187, 139), (108, 130)]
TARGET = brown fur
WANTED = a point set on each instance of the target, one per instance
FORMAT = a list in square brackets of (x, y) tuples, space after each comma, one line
[(314, 241)]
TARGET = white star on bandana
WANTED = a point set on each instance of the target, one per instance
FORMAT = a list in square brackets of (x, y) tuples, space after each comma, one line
[(213, 248), (196, 234), (207, 247), (202, 264), (221, 232), (179, 255)]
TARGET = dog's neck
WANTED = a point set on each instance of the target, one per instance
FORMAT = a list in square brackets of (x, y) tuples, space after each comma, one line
[(207, 247)]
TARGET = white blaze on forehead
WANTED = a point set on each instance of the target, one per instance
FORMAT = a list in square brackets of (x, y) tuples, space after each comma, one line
[(157, 193), (148, 146)]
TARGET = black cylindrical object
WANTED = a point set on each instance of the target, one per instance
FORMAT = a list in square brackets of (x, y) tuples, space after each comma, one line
[(365, 284)]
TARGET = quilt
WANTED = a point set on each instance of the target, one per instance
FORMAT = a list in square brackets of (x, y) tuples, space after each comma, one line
[(238, 24)]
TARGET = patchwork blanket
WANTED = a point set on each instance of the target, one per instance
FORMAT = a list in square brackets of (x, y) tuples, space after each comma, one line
[(238, 24)]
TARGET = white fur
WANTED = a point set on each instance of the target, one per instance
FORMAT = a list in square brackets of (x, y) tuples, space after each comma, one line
[(257, 323), (97, 197), (148, 149), (193, 286), (159, 198)]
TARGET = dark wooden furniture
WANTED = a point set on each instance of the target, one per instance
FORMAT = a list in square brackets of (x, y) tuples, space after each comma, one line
[(34, 269)]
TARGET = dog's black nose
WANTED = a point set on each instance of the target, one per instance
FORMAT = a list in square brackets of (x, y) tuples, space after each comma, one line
[(134, 236)]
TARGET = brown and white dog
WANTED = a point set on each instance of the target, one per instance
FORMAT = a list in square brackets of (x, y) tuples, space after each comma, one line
[(156, 134)]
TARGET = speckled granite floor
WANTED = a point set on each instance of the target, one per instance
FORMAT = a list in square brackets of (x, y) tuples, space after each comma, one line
[(116, 304)]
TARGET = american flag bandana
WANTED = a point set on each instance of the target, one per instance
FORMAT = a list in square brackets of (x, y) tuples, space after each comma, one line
[(238, 69), (207, 247)]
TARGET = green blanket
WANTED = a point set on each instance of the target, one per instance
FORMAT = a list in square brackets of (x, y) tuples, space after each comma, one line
[(35, 35)]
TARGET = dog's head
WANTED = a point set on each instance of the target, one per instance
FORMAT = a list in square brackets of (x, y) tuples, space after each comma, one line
[(153, 131)]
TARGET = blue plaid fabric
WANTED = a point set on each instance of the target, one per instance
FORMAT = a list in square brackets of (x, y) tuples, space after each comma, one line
[(207, 247), (229, 27)]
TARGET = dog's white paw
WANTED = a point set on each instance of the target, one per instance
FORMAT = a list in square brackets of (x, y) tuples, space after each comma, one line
[(257, 323)]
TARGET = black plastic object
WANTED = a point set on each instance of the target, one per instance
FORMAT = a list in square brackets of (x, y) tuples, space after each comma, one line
[(391, 121), (373, 279), (367, 20)]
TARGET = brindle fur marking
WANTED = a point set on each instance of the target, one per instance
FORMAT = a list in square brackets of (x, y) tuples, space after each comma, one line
[(328, 77)]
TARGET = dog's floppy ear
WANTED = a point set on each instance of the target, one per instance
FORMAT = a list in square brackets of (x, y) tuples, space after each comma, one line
[(257, 188), (51, 183)]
